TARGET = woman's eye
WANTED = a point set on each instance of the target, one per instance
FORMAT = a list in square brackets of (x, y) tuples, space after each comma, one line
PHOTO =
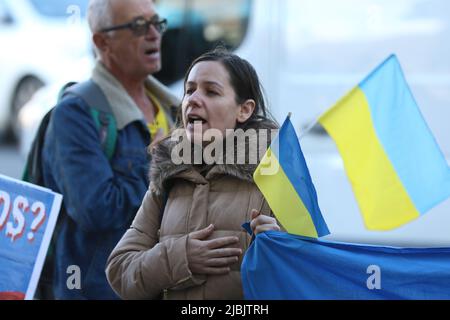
[(211, 92), (189, 91)]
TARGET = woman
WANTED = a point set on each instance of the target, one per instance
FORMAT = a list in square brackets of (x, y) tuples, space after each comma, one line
[(195, 251)]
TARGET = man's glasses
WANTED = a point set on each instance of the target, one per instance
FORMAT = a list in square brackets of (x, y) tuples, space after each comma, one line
[(140, 26)]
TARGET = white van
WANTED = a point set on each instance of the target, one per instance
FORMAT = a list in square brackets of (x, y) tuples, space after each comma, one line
[(308, 54)]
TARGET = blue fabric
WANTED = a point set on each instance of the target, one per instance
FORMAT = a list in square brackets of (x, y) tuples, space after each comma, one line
[(101, 198), (283, 266)]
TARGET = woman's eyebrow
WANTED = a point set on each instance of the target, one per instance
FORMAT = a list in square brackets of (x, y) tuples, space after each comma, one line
[(213, 83), (206, 82)]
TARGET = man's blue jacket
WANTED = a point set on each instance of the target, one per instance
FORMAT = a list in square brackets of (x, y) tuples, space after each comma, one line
[(101, 197)]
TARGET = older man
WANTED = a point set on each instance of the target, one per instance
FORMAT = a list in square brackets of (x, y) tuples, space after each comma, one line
[(102, 193)]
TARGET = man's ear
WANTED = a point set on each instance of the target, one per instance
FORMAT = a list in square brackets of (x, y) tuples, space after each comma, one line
[(100, 41), (246, 110)]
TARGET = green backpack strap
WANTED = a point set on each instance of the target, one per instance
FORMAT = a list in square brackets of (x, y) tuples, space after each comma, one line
[(106, 123), (100, 110)]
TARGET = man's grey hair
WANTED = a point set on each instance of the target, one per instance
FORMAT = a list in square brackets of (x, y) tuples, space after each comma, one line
[(100, 15)]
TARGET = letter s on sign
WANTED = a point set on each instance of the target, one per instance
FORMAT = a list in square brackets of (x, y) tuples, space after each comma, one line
[(5, 204)]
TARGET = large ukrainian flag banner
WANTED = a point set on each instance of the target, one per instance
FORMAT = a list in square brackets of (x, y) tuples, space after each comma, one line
[(284, 180), (393, 162), (282, 266)]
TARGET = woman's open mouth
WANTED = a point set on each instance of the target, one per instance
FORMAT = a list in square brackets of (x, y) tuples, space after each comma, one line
[(192, 119)]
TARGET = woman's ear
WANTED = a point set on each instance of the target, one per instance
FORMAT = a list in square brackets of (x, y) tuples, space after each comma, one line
[(246, 110)]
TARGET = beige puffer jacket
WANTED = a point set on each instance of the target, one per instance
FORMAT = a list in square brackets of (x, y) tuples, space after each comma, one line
[(151, 259)]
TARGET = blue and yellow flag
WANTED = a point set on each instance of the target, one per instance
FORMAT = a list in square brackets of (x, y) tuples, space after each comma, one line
[(284, 180), (282, 266), (392, 160)]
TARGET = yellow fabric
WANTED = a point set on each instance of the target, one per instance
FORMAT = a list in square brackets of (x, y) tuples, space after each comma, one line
[(160, 122), (383, 201), (282, 198)]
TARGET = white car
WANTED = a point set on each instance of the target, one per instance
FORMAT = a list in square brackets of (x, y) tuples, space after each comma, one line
[(42, 41)]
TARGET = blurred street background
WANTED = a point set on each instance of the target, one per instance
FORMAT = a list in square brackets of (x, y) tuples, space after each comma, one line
[(308, 54), (12, 162)]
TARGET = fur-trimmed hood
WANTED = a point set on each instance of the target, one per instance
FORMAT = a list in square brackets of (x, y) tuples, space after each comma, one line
[(163, 168)]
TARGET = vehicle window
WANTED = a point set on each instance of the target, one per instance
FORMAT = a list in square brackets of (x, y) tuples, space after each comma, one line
[(196, 26), (59, 8)]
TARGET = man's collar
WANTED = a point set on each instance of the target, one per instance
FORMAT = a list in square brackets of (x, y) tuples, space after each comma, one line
[(124, 108)]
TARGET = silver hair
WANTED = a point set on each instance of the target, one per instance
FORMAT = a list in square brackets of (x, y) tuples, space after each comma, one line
[(100, 15)]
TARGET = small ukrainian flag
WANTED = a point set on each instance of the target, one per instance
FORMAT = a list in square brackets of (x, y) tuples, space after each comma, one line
[(284, 180)]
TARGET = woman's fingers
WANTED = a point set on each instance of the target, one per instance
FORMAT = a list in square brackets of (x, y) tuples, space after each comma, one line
[(211, 256), (221, 242), (255, 213), (222, 262), (260, 219), (261, 223), (266, 227), (225, 252), (220, 265), (203, 233)]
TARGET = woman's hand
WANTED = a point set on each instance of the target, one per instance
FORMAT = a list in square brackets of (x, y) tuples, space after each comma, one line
[(261, 223), (211, 256)]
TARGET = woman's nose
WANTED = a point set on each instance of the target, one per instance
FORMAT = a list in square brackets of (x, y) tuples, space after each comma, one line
[(194, 99)]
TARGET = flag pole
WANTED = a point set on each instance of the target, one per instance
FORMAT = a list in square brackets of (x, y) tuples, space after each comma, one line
[(262, 205), (310, 126)]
